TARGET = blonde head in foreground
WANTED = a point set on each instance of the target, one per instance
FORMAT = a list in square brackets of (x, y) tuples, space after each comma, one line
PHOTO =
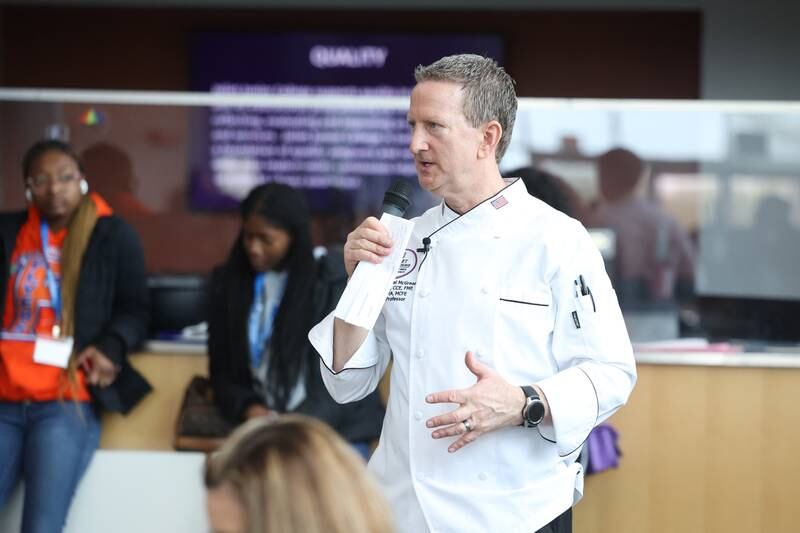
[(291, 474)]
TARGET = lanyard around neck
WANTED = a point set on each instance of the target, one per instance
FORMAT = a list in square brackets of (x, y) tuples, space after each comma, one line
[(268, 289), (259, 330), (53, 284)]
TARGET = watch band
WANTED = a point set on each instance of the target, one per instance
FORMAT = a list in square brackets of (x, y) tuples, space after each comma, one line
[(529, 391)]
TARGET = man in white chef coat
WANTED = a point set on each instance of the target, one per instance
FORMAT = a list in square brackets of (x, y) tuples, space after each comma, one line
[(508, 341)]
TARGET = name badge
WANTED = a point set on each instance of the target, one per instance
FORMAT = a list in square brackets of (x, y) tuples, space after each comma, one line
[(53, 352)]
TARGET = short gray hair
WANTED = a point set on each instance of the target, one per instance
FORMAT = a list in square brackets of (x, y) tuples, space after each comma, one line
[(488, 91)]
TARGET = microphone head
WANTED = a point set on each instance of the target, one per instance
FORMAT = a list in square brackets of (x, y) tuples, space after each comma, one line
[(397, 198)]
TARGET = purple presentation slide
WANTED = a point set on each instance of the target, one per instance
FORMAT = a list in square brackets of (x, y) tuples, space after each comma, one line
[(342, 159)]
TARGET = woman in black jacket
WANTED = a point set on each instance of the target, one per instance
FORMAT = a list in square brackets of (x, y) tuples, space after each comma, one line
[(74, 295), (263, 301)]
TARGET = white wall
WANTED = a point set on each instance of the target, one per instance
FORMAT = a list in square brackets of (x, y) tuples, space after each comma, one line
[(132, 492)]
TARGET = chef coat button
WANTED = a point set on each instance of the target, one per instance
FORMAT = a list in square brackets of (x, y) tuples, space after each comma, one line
[(483, 476), (423, 293), (418, 415), (420, 353), (485, 290)]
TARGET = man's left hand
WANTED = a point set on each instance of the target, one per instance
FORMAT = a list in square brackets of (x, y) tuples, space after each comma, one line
[(490, 404)]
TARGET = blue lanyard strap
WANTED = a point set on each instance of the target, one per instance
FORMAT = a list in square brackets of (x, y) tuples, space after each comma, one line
[(257, 332), (52, 283), (268, 291)]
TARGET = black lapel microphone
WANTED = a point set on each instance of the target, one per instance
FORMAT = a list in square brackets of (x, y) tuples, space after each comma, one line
[(426, 245)]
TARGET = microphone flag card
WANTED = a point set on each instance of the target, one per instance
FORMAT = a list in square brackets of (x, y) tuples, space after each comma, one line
[(366, 292)]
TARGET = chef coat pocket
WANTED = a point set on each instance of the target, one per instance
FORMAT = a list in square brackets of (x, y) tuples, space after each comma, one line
[(524, 316), (530, 298)]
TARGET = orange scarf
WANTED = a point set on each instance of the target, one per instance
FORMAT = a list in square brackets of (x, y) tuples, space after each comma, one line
[(28, 312)]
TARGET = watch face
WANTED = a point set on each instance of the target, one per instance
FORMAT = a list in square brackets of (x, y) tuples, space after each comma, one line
[(534, 413)]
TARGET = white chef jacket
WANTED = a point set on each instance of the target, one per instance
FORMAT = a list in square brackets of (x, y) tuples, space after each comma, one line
[(498, 280)]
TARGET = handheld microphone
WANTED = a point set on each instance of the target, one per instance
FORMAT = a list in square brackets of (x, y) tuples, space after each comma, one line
[(397, 198)]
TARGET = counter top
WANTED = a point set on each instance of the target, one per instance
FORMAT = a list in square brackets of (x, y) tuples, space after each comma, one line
[(680, 355), (726, 359), (181, 347), (733, 353)]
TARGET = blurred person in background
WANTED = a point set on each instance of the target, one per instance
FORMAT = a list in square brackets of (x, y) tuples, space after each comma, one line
[(548, 188), (291, 474), (263, 300), (655, 257), (113, 178), (773, 243), (75, 304)]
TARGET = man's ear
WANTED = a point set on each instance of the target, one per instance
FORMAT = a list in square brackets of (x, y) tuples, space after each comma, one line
[(492, 131)]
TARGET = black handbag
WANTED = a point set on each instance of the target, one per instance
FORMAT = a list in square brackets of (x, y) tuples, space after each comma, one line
[(200, 425)]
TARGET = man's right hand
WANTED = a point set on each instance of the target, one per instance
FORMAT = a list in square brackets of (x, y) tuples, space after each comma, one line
[(370, 241)]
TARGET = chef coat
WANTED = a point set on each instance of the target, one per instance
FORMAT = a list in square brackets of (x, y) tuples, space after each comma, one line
[(501, 280)]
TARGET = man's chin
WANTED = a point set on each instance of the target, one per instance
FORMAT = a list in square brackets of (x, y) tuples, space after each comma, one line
[(428, 183)]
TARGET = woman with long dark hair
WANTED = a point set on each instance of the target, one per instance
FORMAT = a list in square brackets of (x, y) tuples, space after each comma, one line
[(263, 301)]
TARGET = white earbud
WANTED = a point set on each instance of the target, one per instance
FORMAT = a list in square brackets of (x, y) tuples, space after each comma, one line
[(28, 195), (84, 185)]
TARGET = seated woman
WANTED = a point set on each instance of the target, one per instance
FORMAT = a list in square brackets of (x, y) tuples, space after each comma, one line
[(291, 475), (263, 301), (75, 304)]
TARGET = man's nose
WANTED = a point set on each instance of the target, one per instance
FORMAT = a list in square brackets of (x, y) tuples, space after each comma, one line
[(418, 142)]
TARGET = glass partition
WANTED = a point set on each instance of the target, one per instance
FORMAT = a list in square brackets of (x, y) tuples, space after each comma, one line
[(694, 204)]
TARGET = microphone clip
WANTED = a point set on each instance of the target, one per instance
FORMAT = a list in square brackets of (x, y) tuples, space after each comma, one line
[(426, 245)]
